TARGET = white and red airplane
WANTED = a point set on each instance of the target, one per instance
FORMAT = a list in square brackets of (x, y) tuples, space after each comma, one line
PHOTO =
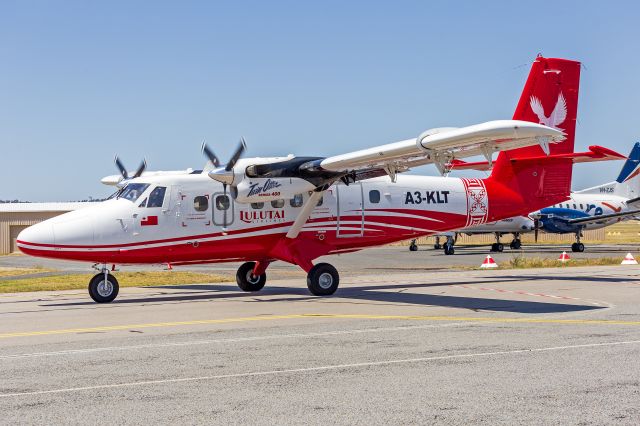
[(296, 209)]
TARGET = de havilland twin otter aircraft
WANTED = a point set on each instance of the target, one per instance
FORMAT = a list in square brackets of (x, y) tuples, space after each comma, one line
[(296, 209)]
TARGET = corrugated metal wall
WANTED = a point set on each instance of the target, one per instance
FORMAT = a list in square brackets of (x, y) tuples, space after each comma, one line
[(8, 220)]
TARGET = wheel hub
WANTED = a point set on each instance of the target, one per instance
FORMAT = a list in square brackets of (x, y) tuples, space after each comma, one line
[(325, 280), (252, 279), (105, 288)]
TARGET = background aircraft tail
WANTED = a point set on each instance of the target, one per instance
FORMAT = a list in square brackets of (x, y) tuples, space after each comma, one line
[(550, 97), (628, 182)]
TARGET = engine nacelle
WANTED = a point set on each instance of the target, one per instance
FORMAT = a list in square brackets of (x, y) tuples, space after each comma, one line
[(257, 190)]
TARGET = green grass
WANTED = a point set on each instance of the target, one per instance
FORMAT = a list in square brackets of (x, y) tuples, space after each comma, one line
[(521, 262), (125, 279)]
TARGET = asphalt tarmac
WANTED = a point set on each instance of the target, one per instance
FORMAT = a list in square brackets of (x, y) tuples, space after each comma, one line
[(393, 345)]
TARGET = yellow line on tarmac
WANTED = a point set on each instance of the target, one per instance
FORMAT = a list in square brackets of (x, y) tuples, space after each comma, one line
[(327, 316)]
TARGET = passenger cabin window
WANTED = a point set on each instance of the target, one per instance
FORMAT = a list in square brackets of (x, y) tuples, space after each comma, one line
[(201, 203), (574, 207), (133, 191), (374, 196), (257, 206), (296, 201), (156, 198), (222, 202), (277, 204), (581, 208)]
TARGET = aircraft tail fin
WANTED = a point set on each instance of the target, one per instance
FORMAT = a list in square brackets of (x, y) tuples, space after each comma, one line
[(628, 182), (550, 97)]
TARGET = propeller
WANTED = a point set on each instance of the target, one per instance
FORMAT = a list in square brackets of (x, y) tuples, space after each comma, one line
[(536, 228), (224, 174), (123, 170)]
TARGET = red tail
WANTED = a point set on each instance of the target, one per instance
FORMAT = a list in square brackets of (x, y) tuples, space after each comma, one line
[(550, 97)]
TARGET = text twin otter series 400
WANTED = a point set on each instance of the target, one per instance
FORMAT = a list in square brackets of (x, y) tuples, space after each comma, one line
[(296, 209)]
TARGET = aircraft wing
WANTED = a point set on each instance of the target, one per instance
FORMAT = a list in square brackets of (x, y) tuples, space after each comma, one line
[(441, 146), (603, 217), (595, 153)]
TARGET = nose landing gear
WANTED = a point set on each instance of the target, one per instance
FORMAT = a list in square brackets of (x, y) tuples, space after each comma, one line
[(103, 287)]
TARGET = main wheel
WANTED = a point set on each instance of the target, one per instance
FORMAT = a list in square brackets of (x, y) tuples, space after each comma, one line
[(413, 246), (515, 244), (247, 281), (448, 249), (500, 247), (323, 279), (580, 247), (494, 247), (103, 291)]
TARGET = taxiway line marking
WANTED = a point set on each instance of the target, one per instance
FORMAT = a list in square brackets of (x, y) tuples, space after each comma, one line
[(327, 316), (315, 369)]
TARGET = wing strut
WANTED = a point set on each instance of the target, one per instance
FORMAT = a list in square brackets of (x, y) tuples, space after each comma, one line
[(305, 213)]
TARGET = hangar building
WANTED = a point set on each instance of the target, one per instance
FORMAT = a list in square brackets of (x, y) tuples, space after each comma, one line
[(14, 217)]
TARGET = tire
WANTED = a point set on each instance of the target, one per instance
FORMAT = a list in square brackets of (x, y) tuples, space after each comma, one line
[(437, 246), (323, 280), (494, 247), (516, 245), (449, 250), (413, 247), (101, 292), (500, 247), (245, 279), (580, 247), (574, 247)]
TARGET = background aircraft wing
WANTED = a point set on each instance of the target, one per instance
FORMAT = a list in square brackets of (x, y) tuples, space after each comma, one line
[(441, 146), (603, 217)]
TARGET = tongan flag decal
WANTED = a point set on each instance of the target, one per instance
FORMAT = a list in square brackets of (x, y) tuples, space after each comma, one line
[(149, 221)]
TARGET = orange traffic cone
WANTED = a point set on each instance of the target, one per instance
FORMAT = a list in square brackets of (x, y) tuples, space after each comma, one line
[(489, 263), (629, 260), (564, 257)]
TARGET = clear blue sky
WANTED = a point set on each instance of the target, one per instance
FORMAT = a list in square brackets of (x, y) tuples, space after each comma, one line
[(81, 81)]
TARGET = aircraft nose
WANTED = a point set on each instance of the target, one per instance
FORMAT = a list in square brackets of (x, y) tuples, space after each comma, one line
[(40, 233)]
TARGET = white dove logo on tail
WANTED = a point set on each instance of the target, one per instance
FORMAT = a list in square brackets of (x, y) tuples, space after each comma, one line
[(558, 115)]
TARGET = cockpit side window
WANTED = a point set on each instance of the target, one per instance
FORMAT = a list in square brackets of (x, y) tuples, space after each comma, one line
[(133, 191), (156, 198)]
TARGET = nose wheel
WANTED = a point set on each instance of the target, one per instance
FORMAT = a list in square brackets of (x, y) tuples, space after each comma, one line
[(103, 288), (323, 279)]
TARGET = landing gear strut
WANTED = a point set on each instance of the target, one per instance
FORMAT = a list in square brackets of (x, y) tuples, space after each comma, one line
[(497, 246), (437, 245), (515, 243), (103, 287), (448, 246), (577, 246), (323, 279), (249, 279)]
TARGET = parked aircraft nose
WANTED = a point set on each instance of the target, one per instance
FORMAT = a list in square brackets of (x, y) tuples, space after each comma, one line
[(74, 228), (40, 233)]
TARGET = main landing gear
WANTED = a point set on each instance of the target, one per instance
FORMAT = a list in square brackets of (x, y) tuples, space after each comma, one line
[(103, 287), (515, 244), (322, 279), (577, 247)]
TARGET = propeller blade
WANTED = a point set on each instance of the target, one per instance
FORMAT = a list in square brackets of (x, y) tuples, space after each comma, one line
[(536, 227), (121, 168), (210, 155), (141, 169), (224, 220), (242, 147)]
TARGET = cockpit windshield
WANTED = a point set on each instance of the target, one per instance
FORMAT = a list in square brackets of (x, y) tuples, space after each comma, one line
[(133, 191)]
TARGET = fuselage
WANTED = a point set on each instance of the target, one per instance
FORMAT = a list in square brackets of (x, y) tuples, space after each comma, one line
[(189, 219)]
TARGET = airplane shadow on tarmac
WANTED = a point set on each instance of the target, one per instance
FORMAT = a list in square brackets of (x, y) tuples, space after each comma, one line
[(388, 293)]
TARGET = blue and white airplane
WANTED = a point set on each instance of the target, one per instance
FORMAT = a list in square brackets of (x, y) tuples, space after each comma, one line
[(591, 208), (596, 207)]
